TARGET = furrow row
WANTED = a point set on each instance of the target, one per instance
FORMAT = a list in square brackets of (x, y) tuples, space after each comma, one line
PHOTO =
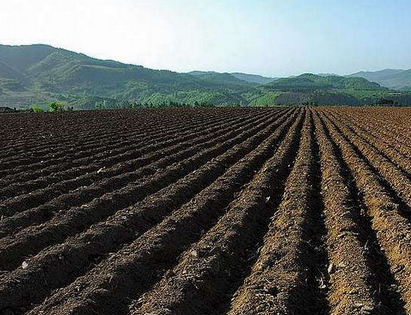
[(393, 231), (210, 271), (78, 253), (395, 179), (79, 155), (118, 179), (147, 151), (284, 279), (356, 286), (32, 239), (42, 134), (396, 154)]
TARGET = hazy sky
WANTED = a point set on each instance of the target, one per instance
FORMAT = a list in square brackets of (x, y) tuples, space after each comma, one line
[(269, 37)]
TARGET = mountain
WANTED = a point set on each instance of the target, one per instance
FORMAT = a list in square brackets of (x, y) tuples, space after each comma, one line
[(42, 73), (327, 74), (245, 77), (34, 75), (253, 78), (9, 73), (226, 79), (311, 89), (396, 79), (311, 82), (376, 75)]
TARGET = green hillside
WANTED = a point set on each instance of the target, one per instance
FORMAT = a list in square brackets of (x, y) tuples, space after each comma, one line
[(44, 73), (311, 82), (313, 89), (35, 75)]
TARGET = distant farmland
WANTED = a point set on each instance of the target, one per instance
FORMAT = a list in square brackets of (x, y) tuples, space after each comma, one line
[(206, 211)]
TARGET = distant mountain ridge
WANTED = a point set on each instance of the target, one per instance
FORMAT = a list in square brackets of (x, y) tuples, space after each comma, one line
[(250, 78), (397, 79), (37, 74), (222, 78), (253, 78)]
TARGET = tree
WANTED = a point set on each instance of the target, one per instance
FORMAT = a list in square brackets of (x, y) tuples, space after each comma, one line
[(56, 107)]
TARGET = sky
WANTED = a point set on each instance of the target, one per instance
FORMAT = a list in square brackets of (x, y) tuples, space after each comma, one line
[(267, 37)]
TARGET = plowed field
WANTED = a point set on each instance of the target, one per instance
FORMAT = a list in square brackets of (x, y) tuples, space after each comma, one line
[(206, 211)]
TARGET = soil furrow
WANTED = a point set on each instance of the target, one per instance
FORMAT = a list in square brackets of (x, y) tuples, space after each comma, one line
[(392, 139), (123, 150), (109, 182), (73, 154), (119, 172), (399, 160), (125, 226), (356, 284), (210, 271), (124, 181), (43, 133), (392, 229), (391, 177), (31, 240), (127, 153), (288, 277), (109, 146)]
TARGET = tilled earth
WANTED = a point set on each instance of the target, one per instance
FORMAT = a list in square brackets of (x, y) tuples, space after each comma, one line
[(206, 211)]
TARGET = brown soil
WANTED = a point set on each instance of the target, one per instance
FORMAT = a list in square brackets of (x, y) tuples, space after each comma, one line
[(206, 211)]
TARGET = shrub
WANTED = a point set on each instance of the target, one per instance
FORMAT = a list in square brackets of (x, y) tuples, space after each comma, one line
[(37, 109), (56, 107)]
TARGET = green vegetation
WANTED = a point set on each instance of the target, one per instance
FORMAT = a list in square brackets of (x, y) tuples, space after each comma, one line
[(37, 109), (46, 74), (311, 82), (265, 99), (310, 89), (38, 75), (56, 107)]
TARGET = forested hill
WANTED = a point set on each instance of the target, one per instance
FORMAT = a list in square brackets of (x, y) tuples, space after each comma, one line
[(312, 82), (314, 89), (38, 74)]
